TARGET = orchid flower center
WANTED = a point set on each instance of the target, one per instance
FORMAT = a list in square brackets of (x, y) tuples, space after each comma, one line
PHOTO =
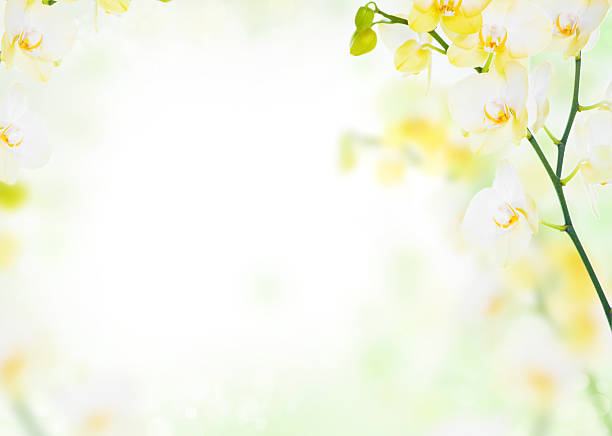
[(506, 216), (492, 37), (496, 112), (11, 135), (566, 24), (29, 40), (448, 8)]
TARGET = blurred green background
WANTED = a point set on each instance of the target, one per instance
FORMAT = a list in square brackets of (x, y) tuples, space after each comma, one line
[(243, 230)]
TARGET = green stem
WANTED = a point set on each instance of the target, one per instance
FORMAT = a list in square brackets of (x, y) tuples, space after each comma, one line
[(485, 68), (26, 418), (561, 228), (572, 116), (400, 20), (439, 50), (593, 106), (556, 181), (552, 137), (440, 40), (566, 180)]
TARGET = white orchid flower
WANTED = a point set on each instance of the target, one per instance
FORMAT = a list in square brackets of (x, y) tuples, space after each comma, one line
[(411, 50), (461, 16), (511, 30), (536, 368), (574, 23), (502, 218), (36, 37), (491, 108), (594, 148), (23, 138), (103, 406), (538, 105)]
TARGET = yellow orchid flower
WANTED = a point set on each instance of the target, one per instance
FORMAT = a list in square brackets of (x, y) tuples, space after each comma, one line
[(411, 50), (460, 16), (109, 6), (511, 30)]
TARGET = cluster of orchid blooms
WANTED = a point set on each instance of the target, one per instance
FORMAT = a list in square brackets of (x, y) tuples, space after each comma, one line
[(503, 102), (37, 35)]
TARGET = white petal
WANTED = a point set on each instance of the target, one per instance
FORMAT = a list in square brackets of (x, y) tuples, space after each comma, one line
[(539, 105), (478, 225), (593, 39), (519, 237), (592, 195), (599, 128), (35, 150), (592, 16), (490, 141), (9, 167), (14, 17), (508, 184), (14, 105), (517, 86), (529, 29), (467, 99), (58, 29), (394, 35)]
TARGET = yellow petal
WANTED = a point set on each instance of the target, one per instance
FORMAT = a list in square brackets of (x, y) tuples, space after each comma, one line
[(462, 24), (423, 5), (464, 41), (410, 58), (461, 57), (424, 21), (8, 51), (114, 6), (474, 7)]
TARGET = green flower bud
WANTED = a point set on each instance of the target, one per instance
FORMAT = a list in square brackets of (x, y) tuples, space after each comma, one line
[(364, 18), (363, 41), (12, 197)]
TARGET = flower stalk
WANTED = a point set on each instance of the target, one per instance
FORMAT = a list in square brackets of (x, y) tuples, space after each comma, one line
[(26, 418)]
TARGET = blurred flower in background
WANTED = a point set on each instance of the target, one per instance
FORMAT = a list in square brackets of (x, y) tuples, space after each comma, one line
[(200, 235)]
